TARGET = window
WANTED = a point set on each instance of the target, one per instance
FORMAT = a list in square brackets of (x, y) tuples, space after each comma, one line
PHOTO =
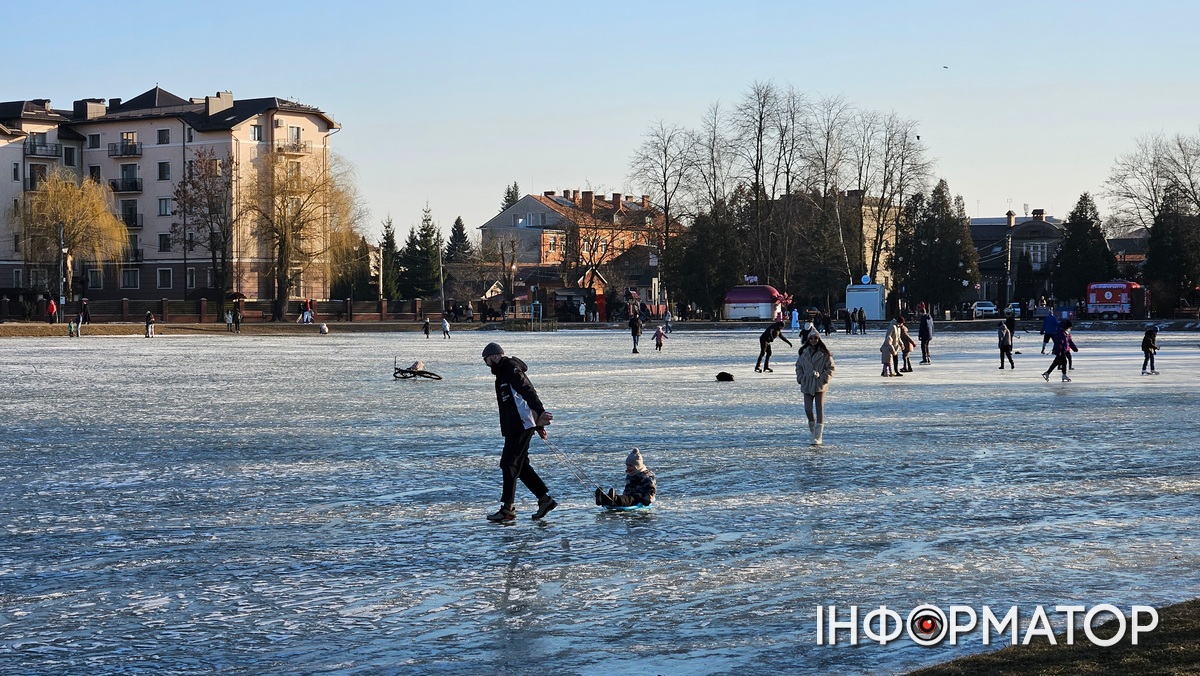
[(208, 279), (94, 172), (16, 279), (1036, 251), (93, 140), (95, 278), (293, 134), (68, 156), (164, 278), (128, 137), (553, 243), (191, 244), (164, 242), (164, 171), (164, 137), (17, 244), (191, 278), (518, 220), (164, 206), (190, 135), (129, 278), (256, 132), (16, 171)]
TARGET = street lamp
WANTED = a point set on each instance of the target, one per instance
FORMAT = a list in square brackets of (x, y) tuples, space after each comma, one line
[(62, 259)]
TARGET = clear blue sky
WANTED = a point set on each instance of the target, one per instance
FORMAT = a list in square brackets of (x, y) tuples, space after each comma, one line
[(448, 103)]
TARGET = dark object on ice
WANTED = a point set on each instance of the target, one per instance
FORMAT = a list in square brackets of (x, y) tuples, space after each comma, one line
[(417, 370), (725, 377)]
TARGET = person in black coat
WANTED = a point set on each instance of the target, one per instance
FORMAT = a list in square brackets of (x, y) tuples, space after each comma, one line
[(635, 329), (764, 346), (521, 415)]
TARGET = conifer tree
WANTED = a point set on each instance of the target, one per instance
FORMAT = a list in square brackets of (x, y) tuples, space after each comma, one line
[(511, 195), (1083, 255), (458, 248)]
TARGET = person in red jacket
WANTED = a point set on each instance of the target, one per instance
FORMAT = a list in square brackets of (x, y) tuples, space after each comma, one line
[(521, 415)]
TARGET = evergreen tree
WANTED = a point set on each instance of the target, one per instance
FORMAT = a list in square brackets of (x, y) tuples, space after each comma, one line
[(711, 261), (1083, 256), (458, 248), (420, 259), (1172, 267), (935, 260), (511, 195), (389, 257)]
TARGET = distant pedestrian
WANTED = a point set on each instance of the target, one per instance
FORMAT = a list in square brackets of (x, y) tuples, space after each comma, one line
[(1062, 345), (582, 311), (796, 322), (1149, 347), (764, 346), (229, 321), (149, 324), (667, 321), (814, 368), (659, 337), (906, 346), (635, 329), (887, 353), (1005, 342), (862, 321), (51, 311), (849, 323), (925, 333), (445, 328), (425, 328), (237, 320), (87, 314), (803, 333), (80, 320), (1049, 329)]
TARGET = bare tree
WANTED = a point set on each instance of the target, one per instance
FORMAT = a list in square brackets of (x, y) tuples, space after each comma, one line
[(827, 155), (204, 205), (1138, 182), (662, 167)]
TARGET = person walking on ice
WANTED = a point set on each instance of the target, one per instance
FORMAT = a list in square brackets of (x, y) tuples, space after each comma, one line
[(445, 327), (521, 415), (764, 346), (814, 369), (640, 485), (1062, 345), (1149, 347), (659, 337), (1005, 337)]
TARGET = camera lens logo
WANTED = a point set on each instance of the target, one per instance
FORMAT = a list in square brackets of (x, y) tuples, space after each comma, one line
[(927, 625)]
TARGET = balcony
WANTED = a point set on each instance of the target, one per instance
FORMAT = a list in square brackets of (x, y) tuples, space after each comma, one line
[(125, 149), (126, 184), (294, 147), (133, 255), (131, 220), (43, 149)]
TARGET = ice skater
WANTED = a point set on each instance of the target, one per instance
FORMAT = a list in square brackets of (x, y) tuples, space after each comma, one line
[(1149, 347), (814, 368), (659, 337), (640, 485), (1062, 345), (445, 328), (925, 333), (764, 346), (635, 328), (521, 415), (1049, 330), (887, 353), (1005, 338)]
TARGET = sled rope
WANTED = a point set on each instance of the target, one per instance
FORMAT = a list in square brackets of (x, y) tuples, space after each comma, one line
[(571, 465)]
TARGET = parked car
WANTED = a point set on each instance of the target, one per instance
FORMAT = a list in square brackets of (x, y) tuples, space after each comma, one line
[(984, 308), (1013, 309)]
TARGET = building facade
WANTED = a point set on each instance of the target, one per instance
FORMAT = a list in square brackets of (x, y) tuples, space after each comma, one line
[(141, 149), (1002, 243)]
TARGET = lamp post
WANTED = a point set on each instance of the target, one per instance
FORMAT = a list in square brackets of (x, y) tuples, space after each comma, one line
[(62, 258)]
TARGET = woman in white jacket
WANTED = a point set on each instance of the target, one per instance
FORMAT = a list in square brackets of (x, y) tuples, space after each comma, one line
[(814, 368)]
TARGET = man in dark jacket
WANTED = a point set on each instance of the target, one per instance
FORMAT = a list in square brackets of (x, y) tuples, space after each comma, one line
[(764, 346), (635, 327), (521, 414), (925, 333)]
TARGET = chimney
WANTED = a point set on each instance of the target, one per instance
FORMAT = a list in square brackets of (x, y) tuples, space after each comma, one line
[(1012, 218), (645, 201), (44, 104), (1039, 214), (617, 201), (587, 204), (215, 104), (86, 109), (114, 103), (549, 193)]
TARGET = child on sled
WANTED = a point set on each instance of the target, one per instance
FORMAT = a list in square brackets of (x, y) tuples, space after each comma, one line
[(640, 485)]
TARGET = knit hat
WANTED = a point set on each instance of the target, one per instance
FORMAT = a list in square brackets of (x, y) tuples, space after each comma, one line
[(491, 349), (635, 460)]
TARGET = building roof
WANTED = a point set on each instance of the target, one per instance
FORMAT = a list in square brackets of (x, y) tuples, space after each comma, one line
[(37, 109), (158, 103)]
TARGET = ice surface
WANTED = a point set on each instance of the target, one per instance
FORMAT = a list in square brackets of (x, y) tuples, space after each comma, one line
[(282, 505)]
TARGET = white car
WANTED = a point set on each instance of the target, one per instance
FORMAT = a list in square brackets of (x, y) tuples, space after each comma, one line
[(984, 308)]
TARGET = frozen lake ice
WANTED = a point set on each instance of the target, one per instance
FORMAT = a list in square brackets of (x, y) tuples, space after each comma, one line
[(281, 504)]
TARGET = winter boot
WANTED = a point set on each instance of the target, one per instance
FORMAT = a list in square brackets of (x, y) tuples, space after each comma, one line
[(505, 513), (545, 504), (818, 431)]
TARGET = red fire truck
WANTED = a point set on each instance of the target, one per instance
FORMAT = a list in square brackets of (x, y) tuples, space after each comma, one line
[(1118, 300)]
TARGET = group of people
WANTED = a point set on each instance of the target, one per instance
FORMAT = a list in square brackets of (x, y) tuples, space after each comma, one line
[(660, 332), (897, 343), (233, 320)]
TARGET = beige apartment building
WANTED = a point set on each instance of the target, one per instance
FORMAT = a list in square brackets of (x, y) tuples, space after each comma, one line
[(141, 149)]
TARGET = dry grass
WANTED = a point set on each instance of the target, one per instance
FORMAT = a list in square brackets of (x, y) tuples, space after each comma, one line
[(1173, 648)]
